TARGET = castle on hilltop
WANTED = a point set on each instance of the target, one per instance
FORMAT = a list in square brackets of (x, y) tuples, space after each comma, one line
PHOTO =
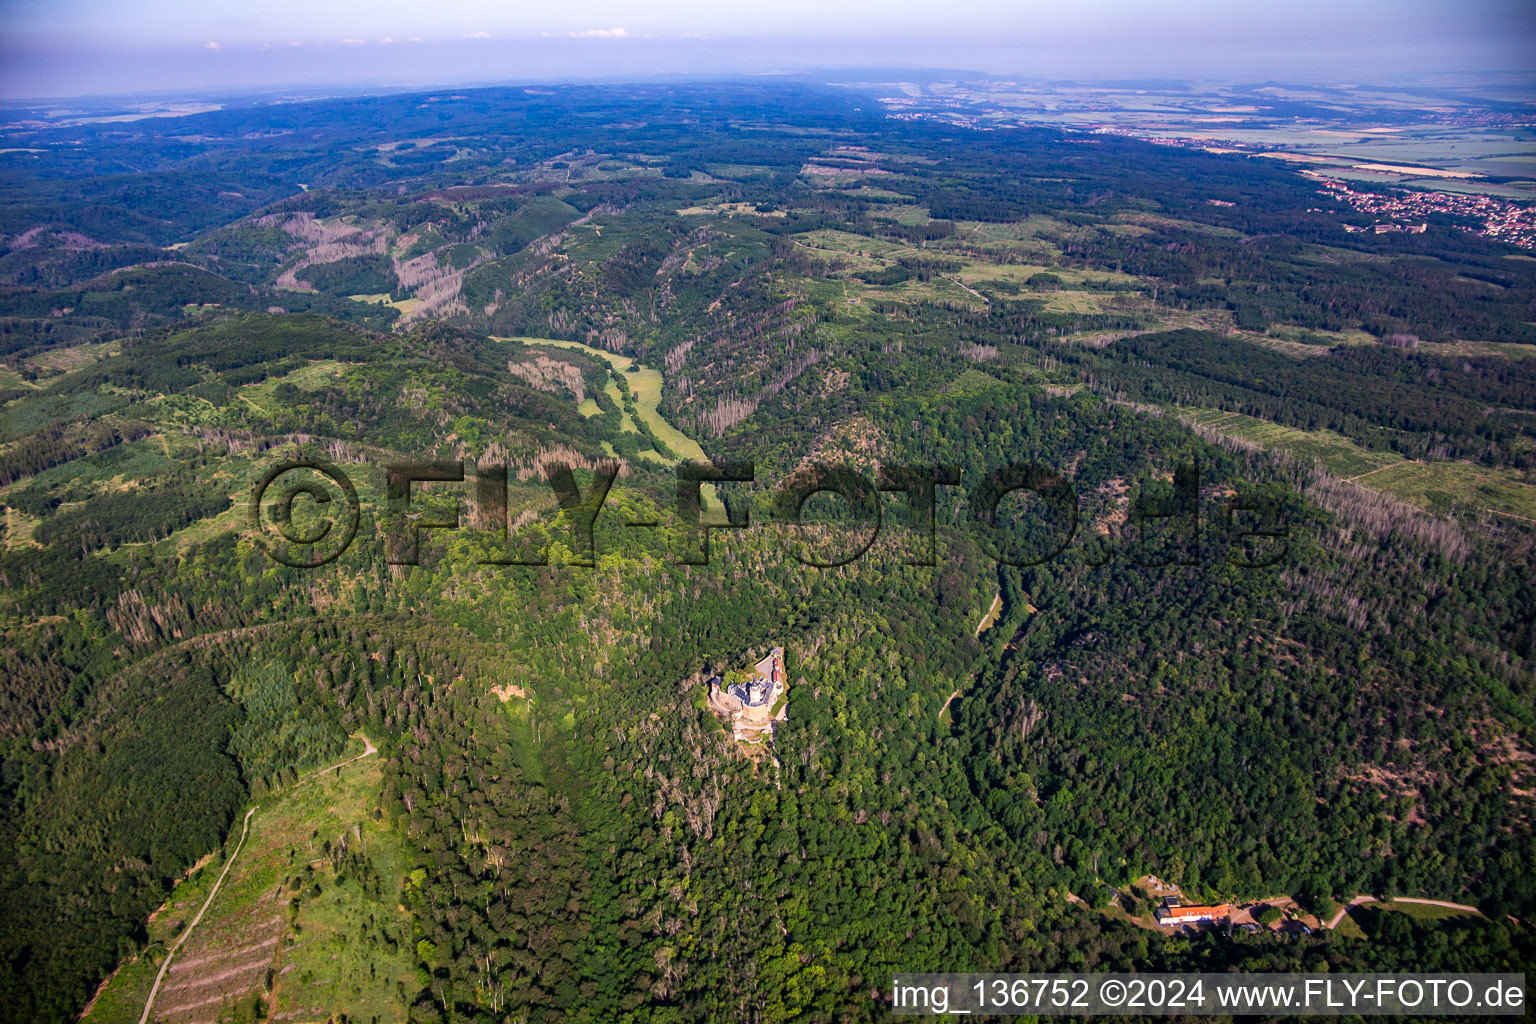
[(754, 704)]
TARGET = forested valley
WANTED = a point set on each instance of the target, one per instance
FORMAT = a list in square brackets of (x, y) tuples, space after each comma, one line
[(1265, 627)]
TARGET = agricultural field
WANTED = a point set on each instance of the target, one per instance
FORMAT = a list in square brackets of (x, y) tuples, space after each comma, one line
[(1356, 132)]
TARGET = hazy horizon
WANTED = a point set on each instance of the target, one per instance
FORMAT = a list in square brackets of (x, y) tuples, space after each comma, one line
[(84, 47)]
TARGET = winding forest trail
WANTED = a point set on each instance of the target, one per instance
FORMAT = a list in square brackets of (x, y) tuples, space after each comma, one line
[(245, 829), (947, 702), (990, 618), (1333, 922)]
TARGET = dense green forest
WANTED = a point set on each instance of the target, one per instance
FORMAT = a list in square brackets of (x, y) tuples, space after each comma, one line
[(1297, 659)]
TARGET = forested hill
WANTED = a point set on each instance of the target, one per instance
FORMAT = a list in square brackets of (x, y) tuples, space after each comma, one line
[(1286, 645)]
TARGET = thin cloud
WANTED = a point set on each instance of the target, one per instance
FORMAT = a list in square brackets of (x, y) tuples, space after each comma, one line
[(601, 33), (210, 45), (482, 34), (354, 42)]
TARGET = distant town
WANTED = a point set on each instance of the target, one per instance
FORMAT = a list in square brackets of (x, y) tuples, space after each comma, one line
[(1514, 223)]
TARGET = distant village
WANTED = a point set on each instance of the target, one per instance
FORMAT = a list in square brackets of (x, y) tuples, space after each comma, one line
[(1502, 220)]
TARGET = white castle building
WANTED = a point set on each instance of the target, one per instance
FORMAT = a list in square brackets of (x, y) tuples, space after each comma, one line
[(750, 704)]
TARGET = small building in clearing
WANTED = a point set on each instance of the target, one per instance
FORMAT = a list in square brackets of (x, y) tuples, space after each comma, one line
[(1172, 914)]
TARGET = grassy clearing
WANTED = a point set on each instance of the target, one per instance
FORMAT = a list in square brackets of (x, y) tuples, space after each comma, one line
[(1349, 928), (1423, 911), (614, 359), (65, 360), (723, 209), (972, 381), (1315, 337), (18, 530), (1075, 302), (1441, 486), (382, 299), (908, 216), (1437, 487), (230, 520), (848, 243), (1337, 453), (937, 289), (1505, 349), (866, 253), (626, 424), (645, 384), (9, 378), (132, 461), (976, 272), (311, 377), (121, 999), (347, 950), (1030, 227)]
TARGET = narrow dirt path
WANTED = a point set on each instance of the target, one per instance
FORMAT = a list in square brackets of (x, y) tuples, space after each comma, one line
[(1437, 903), (1378, 469), (947, 702), (1333, 922), (245, 828), (368, 748), (149, 1004), (1511, 515), (990, 619), (966, 287), (1359, 901)]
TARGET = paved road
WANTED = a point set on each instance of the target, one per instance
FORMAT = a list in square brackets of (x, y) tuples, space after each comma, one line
[(149, 1004)]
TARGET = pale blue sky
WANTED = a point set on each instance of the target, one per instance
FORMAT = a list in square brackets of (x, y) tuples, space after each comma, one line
[(66, 47)]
